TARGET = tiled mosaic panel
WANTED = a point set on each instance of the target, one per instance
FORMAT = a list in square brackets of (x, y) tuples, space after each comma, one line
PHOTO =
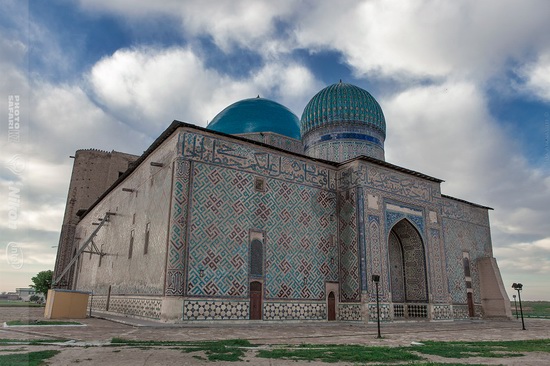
[(294, 311), (396, 269), (385, 312), (274, 139), (394, 217), (438, 276), (442, 312), (349, 312), (340, 151), (98, 303), (300, 255), (349, 256), (414, 263), (175, 273), (400, 185), (463, 236), (133, 306), (460, 211), (478, 311), (255, 160), (377, 253), (215, 310), (460, 312)]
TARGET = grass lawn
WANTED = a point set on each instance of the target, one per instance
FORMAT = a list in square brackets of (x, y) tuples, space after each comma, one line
[(40, 322), (18, 303), (234, 350), (26, 359), (340, 353), (484, 349), (533, 309), (229, 350)]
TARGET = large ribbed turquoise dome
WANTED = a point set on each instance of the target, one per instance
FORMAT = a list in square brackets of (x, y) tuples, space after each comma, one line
[(342, 122), (256, 115), (339, 103)]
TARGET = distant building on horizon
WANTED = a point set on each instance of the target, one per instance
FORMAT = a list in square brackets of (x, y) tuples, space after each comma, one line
[(263, 216), (25, 293)]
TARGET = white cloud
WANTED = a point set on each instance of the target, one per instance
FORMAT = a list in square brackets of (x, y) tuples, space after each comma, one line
[(537, 77), (243, 23), (388, 37), (426, 38), (149, 87)]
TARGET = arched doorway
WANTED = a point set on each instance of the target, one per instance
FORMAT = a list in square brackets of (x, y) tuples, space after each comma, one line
[(408, 274), (255, 300), (331, 306)]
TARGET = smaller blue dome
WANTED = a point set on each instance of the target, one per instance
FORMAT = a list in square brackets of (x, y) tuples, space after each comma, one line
[(256, 115)]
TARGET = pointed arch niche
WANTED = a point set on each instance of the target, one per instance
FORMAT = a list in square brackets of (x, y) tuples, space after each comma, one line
[(408, 277)]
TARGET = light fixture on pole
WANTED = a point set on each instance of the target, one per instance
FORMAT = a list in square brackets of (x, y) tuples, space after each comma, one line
[(376, 280), (518, 287)]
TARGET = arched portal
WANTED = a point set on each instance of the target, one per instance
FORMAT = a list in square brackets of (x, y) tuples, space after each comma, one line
[(407, 259)]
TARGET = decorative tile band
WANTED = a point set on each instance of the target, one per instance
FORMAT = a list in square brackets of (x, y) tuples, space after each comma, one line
[(294, 311), (349, 312), (133, 306), (257, 161), (215, 310), (460, 312), (442, 312), (384, 312)]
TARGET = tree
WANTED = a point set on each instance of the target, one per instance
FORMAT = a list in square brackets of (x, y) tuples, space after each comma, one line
[(42, 282)]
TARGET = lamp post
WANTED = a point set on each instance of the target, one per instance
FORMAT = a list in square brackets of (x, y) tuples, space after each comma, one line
[(516, 305), (376, 280), (518, 287)]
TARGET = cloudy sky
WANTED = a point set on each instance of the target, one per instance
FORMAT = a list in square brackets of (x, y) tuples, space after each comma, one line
[(464, 85)]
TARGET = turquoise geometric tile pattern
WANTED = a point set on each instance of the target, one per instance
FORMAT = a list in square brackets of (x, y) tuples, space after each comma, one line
[(175, 272), (349, 253), (298, 225)]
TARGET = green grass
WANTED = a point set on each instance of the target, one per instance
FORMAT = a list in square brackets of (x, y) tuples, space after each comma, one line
[(234, 350), (533, 309), (17, 303), (483, 349), (340, 353), (229, 350), (32, 342), (41, 322), (27, 359)]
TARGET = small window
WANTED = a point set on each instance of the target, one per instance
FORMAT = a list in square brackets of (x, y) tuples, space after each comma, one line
[(259, 184), (146, 245), (130, 250), (133, 219), (256, 258), (466, 262)]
